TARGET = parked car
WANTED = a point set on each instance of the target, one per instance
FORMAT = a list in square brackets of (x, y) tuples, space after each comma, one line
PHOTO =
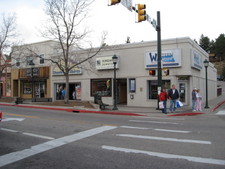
[(0, 116)]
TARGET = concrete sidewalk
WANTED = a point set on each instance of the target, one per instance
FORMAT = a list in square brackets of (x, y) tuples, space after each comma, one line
[(127, 110)]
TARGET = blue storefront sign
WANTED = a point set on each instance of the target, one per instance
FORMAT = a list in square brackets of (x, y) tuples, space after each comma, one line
[(170, 58)]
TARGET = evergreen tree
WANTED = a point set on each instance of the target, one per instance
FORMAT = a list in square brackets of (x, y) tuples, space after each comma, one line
[(205, 44), (220, 47)]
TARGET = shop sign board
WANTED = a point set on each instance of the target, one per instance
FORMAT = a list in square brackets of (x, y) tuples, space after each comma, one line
[(196, 60), (104, 63), (170, 58), (74, 71)]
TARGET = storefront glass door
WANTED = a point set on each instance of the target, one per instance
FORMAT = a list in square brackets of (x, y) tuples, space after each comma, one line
[(183, 92), (39, 89)]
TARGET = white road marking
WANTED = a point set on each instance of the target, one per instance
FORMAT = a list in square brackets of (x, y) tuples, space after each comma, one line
[(39, 136), (13, 131), (131, 127), (163, 118), (157, 122), (164, 139), (19, 155), (169, 156), (222, 112), (165, 130), (13, 119), (173, 131), (28, 134)]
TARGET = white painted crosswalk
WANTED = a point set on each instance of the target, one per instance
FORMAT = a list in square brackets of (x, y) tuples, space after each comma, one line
[(164, 139), (168, 156), (162, 135), (222, 112)]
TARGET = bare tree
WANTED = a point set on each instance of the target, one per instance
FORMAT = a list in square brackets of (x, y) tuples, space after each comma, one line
[(65, 26), (7, 40)]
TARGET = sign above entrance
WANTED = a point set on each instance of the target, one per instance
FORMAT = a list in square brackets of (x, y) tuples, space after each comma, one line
[(74, 71), (104, 63), (170, 58), (196, 60)]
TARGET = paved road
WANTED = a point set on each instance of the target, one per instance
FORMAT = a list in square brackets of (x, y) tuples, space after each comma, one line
[(33, 138)]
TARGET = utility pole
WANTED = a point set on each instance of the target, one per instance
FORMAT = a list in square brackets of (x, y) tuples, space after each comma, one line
[(159, 53)]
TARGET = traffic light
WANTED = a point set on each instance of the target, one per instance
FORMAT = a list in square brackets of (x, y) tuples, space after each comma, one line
[(152, 72), (166, 72), (114, 2), (141, 12)]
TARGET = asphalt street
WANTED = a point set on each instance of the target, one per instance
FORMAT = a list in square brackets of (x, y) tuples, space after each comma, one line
[(43, 139)]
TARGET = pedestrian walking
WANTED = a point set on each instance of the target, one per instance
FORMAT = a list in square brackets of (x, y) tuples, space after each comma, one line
[(198, 101), (194, 98), (74, 95), (173, 96), (163, 96), (63, 93)]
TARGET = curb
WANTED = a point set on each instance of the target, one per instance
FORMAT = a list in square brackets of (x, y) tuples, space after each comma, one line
[(74, 110), (217, 106)]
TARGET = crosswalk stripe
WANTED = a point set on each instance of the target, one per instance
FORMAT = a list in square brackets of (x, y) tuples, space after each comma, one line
[(164, 139), (169, 156), (156, 122), (40, 148), (165, 130), (221, 112)]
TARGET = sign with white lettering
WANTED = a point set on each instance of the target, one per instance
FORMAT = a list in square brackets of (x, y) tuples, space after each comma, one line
[(127, 4), (196, 60), (74, 71), (170, 58), (104, 63)]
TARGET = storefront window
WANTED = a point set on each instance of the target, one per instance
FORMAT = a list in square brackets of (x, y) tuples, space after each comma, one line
[(153, 88), (132, 85), (101, 87), (74, 91), (27, 88), (59, 91)]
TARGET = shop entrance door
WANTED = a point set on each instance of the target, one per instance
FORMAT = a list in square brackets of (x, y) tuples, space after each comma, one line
[(122, 91), (183, 92), (39, 89)]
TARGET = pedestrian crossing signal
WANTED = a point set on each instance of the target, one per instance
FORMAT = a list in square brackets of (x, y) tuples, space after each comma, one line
[(152, 72), (166, 72)]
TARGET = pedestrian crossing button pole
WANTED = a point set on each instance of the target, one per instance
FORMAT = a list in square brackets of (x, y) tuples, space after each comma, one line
[(115, 59)]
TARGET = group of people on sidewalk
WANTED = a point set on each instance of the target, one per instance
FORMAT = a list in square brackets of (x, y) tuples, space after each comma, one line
[(196, 100), (173, 95)]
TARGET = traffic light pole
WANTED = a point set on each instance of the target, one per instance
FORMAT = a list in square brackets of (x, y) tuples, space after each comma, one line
[(159, 51)]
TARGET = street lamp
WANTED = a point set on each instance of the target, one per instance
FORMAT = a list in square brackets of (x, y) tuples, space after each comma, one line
[(206, 64), (114, 58), (32, 77)]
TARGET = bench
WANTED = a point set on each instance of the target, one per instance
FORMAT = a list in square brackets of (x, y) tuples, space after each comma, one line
[(102, 105), (98, 100), (19, 100)]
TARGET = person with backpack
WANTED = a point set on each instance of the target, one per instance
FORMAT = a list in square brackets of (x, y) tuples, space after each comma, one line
[(163, 96)]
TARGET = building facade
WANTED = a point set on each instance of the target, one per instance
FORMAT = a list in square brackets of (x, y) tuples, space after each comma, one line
[(136, 71), (31, 73), (182, 65)]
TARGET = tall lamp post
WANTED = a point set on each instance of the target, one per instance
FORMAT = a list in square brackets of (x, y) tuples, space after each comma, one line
[(206, 64), (32, 77), (114, 58)]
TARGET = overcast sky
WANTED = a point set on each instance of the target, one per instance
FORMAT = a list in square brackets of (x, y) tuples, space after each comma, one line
[(179, 18)]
